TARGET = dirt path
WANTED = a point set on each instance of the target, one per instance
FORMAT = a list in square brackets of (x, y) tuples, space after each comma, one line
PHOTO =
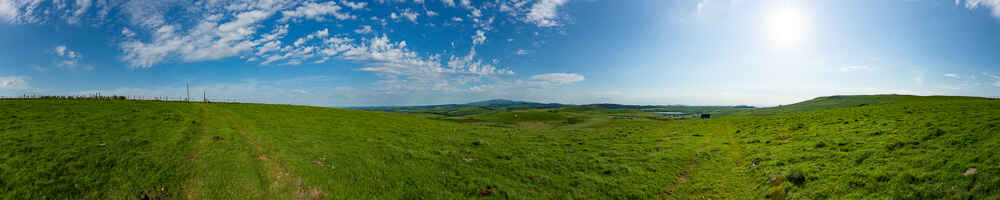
[(682, 177), (716, 170), (230, 163), (281, 180)]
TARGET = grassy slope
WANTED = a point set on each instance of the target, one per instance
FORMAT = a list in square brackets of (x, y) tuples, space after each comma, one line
[(274, 152), (51, 149), (829, 102), (914, 148), (909, 148)]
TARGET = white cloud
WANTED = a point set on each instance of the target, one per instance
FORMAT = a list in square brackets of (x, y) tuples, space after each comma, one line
[(366, 29), (69, 59), (479, 38), (522, 52), (317, 35), (354, 5), (81, 8), (13, 82), (127, 33), (950, 75), (410, 15), (475, 12), (466, 3), (559, 78), (62, 51), (39, 11), (8, 10), (995, 77), (316, 11), (399, 68), (449, 3), (993, 5), (210, 39), (162, 31), (854, 68), (544, 12), (20, 11)]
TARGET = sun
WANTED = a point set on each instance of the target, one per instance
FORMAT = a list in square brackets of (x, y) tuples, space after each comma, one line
[(786, 26)]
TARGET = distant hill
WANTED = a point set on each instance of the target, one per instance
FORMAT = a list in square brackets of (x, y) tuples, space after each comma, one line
[(842, 101), (503, 105), (498, 102), (479, 107)]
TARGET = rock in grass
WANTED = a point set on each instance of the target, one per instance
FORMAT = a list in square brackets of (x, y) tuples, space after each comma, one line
[(969, 171), (485, 192)]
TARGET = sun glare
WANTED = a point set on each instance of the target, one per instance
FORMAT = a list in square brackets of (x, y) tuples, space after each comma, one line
[(786, 26)]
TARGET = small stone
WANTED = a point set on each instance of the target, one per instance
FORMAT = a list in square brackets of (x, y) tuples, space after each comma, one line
[(969, 171), (101, 145), (485, 192), (467, 159)]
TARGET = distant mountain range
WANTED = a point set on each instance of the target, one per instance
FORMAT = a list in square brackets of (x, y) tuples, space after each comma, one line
[(495, 105), (500, 105)]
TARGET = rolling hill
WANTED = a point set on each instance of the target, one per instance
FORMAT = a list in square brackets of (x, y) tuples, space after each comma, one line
[(895, 147)]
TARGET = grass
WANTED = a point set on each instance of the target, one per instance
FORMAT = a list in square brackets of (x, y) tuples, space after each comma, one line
[(52, 149), (905, 148), (916, 148)]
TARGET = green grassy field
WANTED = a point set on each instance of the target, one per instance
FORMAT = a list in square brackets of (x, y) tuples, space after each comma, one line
[(893, 147)]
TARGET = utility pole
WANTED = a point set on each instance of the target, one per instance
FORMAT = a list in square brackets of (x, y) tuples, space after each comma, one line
[(204, 95), (188, 87)]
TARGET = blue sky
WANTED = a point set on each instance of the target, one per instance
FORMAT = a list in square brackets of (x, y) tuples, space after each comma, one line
[(412, 52)]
